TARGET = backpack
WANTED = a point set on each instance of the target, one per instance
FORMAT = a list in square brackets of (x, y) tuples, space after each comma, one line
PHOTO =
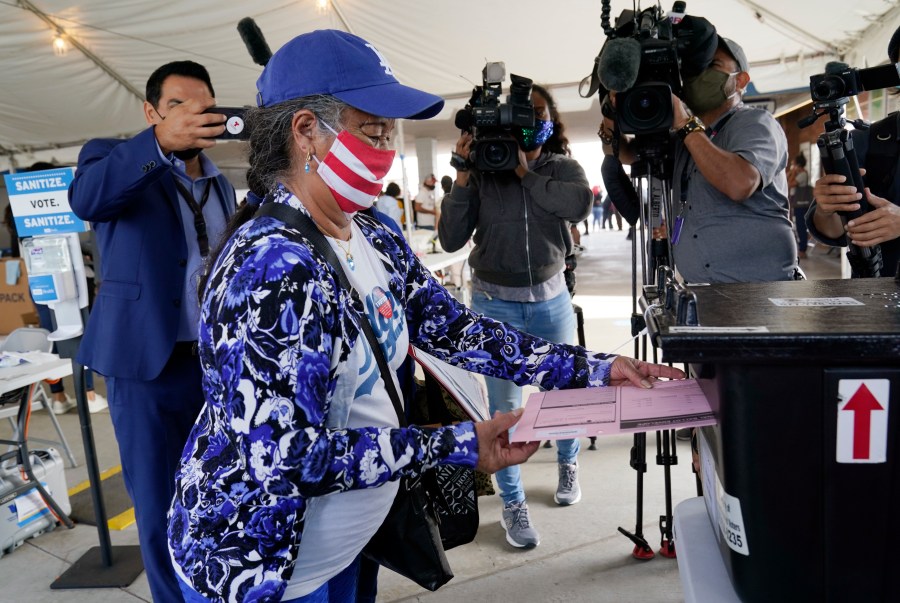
[(882, 154)]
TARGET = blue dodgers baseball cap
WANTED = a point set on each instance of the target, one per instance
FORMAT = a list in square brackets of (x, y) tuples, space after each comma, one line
[(328, 61)]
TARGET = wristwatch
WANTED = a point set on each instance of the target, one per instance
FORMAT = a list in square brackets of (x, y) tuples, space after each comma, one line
[(693, 125)]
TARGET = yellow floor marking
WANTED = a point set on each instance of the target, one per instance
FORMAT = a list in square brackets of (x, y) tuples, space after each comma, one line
[(122, 520), (87, 484)]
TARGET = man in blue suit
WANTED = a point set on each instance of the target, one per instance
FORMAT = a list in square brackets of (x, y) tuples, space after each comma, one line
[(158, 205)]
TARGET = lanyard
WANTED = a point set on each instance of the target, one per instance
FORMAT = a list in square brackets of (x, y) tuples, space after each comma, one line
[(197, 211), (686, 177)]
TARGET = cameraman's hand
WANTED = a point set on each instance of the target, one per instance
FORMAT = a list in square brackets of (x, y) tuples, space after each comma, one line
[(630, 371), (463, 148), (680, 114), (876, 226), (185, 126), (494, 449)]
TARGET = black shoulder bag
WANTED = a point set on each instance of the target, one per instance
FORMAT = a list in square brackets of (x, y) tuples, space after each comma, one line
[(409, 540)]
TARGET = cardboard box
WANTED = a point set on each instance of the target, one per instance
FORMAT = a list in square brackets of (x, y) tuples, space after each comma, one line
[(15, 300)]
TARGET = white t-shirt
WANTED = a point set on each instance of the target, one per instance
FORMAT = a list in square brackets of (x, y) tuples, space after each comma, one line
[(426, 199), (339, 525), (391, 207)]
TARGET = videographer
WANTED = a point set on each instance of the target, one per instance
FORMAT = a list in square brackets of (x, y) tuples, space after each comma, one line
[(881, 226), (520, 220), (732, 219), (158, 204)]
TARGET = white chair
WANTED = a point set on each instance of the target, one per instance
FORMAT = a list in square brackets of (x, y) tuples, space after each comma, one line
[(28, 339)]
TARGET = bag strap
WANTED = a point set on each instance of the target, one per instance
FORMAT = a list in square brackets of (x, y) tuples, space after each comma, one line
[(299, 220), (881, 156)]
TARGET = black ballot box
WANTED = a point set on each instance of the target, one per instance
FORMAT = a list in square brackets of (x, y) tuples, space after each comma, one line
[(801, 475)]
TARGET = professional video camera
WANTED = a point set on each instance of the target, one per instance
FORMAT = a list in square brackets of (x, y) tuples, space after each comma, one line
[(645, 58), (492, 123), (830, 92)]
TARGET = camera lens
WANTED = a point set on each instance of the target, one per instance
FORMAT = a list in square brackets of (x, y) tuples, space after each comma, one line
[(645, 106), (831, 87), (496, 154)]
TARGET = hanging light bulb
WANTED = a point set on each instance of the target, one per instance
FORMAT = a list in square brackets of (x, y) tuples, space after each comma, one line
[(322, 6), (60, 47)]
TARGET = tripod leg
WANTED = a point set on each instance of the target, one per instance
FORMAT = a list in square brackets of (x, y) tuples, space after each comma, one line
[(641, 549), (665, 441)]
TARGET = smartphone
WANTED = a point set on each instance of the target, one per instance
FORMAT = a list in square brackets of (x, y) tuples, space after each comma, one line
[(234, 124)]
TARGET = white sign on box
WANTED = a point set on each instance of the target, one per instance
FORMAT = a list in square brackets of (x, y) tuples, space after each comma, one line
[(862, 420)]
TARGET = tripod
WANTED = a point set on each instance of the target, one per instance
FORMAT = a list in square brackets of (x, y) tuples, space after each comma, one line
[(839, 157), (653, 167)]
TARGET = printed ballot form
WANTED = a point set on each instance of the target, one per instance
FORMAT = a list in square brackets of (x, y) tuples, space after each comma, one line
[(578, 413)]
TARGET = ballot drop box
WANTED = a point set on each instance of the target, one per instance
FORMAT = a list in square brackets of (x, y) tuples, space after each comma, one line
[(801, 475)]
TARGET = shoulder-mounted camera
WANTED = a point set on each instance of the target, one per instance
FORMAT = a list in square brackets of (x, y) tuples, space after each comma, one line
[(492, 123)]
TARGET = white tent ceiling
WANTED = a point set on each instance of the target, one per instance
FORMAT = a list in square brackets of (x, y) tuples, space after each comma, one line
[(49, 101)]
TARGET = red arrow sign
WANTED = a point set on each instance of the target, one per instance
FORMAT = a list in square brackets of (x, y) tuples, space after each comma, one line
[(862, 403)]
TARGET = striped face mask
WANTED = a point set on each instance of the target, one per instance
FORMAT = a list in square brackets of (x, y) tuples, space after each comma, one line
[(354, 171)]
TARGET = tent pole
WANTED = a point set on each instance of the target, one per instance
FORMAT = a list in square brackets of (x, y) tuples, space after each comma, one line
[(407, 203)]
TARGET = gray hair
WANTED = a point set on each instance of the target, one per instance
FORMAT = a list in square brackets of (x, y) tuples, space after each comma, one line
[(271, 141)]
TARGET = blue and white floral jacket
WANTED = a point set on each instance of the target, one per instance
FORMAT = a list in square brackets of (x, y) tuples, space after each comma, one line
[(275, 327)]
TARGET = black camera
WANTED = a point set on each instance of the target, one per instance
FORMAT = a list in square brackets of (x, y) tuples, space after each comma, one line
[(841, 81), (645, 57), (491, 123), (646, 107)]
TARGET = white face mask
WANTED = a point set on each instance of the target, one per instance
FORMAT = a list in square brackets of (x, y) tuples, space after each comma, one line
[(354, 171)]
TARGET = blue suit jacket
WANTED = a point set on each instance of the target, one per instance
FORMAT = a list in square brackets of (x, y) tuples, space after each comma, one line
[(129, 195)]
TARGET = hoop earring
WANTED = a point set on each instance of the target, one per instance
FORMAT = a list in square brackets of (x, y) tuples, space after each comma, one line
[(306, 167)]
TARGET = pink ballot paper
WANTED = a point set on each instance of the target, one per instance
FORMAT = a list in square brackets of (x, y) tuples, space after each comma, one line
[(580, 413)]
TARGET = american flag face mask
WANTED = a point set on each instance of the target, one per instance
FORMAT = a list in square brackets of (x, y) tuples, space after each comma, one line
[(354, 171)]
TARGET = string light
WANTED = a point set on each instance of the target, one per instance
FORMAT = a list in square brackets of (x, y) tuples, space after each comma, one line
[(322, 6), (60, 47)]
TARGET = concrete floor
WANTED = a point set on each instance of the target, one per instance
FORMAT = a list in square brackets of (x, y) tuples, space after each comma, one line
[(581, 558)]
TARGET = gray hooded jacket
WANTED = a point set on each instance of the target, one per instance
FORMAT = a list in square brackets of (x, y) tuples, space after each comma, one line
[(521, 227)]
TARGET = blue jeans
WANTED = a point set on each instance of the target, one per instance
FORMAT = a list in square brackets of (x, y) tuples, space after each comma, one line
[(597, 211), (340, 589), (553, 320), (802, 233)]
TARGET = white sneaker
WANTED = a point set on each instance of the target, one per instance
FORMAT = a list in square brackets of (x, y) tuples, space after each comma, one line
[(61, 407), (97, 404)]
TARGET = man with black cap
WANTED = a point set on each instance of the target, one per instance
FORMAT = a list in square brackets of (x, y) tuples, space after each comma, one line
[(881, 225), (732, 222)]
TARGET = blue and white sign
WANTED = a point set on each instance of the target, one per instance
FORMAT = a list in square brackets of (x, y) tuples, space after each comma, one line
[(43, 288), (40, 202)]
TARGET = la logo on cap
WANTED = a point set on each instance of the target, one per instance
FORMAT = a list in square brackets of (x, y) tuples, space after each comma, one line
[(382, 60)]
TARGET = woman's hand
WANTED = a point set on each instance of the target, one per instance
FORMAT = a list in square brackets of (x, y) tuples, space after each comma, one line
[(494, 449), (629, 371), (463, 148), (876, 226), (833, 194)]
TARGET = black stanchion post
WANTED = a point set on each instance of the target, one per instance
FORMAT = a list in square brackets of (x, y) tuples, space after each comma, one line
[(103, 566)]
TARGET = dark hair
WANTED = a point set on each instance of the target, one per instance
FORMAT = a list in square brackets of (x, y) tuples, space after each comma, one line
[(893, 49), (271, 155), (446, 183), (393, 189), (557, 143), (800, 160), (38, 166), (182, 68)]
